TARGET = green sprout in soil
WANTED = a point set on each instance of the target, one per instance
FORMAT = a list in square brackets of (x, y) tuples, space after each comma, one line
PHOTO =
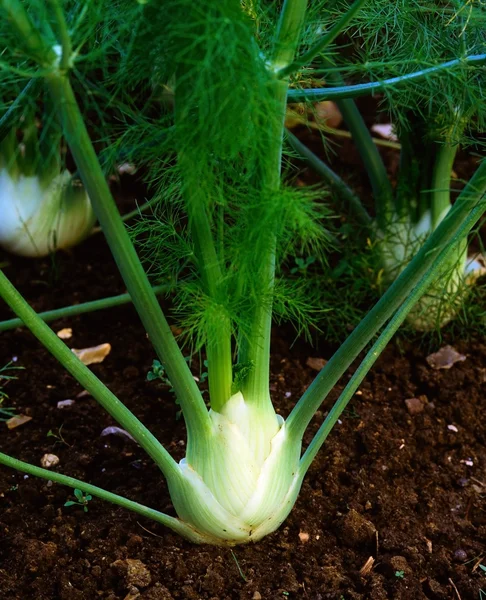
[(58, 436), (400, 574), (81, 500), (201, 110)]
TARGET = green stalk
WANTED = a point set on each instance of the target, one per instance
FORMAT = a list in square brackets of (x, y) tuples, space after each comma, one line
[(406, 197), (343, 191), (323, 43), (375, 168), (256, 348), (79, 309), (88, 379), (63, 33), (390, 330), (144, 511), (145, 301), (218, 346), (441, 181), (445, 233), (342, 92)]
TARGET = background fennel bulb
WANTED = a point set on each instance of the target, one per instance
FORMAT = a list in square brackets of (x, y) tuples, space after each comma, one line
[(443, 300), (38, 217)]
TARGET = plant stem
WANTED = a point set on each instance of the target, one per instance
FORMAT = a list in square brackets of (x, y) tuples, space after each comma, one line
[(323, 43), (218, 346), (406, 196), (256, 348), (79, 309), (445, 233), (375, 168), (329, 176), (441, 181), (145, 301), (170, 522), (63, 33), (342, 92), (384, 338), (87, 379)]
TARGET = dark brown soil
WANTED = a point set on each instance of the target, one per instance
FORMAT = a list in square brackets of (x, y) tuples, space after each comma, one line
[(406, 489)]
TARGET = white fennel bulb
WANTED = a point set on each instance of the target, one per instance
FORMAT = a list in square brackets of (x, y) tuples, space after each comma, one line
[(444, 298), (38, 218), (243, 483)]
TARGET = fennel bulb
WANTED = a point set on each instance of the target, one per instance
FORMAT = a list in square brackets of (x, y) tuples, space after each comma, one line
[(444, 298), (38, 217), (244, 482)]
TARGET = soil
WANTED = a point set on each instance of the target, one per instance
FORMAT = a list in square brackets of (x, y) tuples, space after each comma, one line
[(394, 507)]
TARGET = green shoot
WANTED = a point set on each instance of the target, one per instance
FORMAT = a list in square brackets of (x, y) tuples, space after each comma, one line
[(81, 500)]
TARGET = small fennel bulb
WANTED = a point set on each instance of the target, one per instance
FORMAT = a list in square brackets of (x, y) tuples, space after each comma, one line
[(39, 217), (244, 482), (444, 298)]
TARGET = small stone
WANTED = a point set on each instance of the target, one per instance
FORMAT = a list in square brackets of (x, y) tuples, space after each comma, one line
[(65, 403), (93, 355), (416, 405), (304, 536), (49, 460), (452, 428), (118, 431), (65, 334), (17, 421), (445, 358), (256, 596), (460, 555), (316, 363)]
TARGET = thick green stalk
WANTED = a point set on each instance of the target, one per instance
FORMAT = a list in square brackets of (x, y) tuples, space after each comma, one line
[(378, 347), (218, 346), (444, 235), (440, 200), (343, 191), (375, 168), (79, 309), (342, 92), (144, 511), (87, 379), (145, 301), (324, 42), (256, 348)]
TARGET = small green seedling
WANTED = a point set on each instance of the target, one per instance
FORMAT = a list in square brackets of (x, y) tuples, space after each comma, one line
[(302, 264), (59, 437), (82, 500), (400, 574)]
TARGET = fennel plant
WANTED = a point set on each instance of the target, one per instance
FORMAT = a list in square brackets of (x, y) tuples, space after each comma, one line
[(428, 59), (215, 78)]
